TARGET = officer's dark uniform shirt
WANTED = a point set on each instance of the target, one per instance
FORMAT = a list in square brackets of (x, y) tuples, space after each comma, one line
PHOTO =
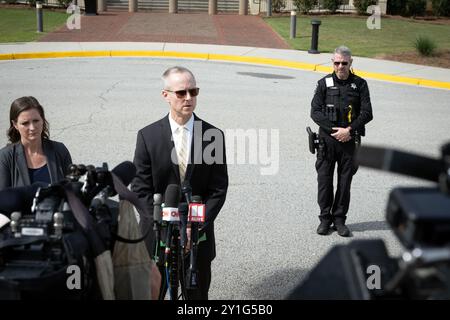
[(340, 103)]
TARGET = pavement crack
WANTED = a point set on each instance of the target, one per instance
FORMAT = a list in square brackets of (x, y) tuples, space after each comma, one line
[(63, 129), (91, 115), (103, 94)]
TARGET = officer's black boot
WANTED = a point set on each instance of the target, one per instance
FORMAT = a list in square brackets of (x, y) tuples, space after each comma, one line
[(341, 228), (324, 227)]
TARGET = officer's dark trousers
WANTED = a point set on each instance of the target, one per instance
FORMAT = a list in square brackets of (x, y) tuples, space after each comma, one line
[(334, 207)]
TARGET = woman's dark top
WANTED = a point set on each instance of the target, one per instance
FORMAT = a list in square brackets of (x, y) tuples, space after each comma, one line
[(39, 174), (14, 168)]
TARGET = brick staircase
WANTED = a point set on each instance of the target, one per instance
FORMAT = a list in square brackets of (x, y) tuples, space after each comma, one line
[(183, 5)]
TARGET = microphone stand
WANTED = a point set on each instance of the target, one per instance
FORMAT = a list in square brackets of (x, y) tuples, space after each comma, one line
[(157, 200)]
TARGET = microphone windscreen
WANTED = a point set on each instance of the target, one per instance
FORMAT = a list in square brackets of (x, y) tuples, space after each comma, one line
[(172, 196), (125, 171), (19, 198), (399, 162)]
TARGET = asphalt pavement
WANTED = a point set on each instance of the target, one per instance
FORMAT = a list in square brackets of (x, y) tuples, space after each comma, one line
[(265, 233)]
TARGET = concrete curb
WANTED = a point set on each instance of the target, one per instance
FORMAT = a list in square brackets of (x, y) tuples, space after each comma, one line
[(222, 57)]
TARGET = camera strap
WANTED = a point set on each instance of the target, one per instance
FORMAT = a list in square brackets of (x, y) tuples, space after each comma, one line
[(85, 220), (131, 197)]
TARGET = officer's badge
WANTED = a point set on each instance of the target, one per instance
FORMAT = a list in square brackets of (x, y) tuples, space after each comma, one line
[(353, 86)]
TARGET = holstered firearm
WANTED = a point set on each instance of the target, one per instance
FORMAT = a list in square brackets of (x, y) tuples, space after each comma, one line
[(313, 140)]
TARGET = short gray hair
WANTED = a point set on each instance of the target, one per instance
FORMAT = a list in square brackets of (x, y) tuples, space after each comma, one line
[(176, 69), (343, 50)]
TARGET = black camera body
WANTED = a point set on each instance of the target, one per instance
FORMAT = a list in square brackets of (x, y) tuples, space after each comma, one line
[(38, 247), (420, 219)]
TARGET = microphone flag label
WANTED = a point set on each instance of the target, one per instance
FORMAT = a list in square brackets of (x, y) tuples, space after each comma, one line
[(196, 212), (170, 214)]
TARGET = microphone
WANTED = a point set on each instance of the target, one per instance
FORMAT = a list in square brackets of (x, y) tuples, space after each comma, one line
[(157, 218), (170, 213), (171, 202), (183, 211), (192, 274), (186, 189), (19, 198), (400, 162)]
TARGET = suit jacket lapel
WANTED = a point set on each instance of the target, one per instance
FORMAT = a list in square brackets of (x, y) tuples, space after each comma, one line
[(167, 136), (22, 166)]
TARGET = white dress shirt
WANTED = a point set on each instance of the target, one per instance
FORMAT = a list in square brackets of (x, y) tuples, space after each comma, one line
[(176, 136)]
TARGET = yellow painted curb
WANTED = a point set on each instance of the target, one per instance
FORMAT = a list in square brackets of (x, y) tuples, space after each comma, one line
[(434, 84), (65, 54), (191, 55), (6, 56), (324, 69), (387, 77), (222, 57), (267, 61), (143, 53)]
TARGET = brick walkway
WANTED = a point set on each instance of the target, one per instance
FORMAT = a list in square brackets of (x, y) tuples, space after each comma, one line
[(201, 28)]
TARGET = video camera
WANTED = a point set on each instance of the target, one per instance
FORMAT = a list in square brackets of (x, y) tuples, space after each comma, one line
[(67, 224), (420, 219)]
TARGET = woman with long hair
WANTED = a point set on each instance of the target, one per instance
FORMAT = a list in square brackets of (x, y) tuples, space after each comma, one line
[(30, 156)]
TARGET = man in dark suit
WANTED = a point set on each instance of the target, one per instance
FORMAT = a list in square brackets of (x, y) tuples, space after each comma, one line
[(182, 147)]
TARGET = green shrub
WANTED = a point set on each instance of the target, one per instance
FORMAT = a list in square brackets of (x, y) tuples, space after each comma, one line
[(408, 8), (396, 7), (441, 7), (362, 5), (425, 46), (277, 5), (415, 8), (332, 5), (304, 6)]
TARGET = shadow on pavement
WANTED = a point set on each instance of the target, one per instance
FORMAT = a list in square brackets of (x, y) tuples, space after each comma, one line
[(369, 226), (278, 285)]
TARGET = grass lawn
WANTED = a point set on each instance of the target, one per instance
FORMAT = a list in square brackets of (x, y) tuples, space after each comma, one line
[(395, 36), (20, 25)]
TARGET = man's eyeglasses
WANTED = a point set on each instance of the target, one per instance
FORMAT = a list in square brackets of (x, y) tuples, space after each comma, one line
[(182, 93), (344, 63)]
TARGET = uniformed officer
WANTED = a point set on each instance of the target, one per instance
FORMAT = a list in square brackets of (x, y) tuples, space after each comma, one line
[(341, 107)]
